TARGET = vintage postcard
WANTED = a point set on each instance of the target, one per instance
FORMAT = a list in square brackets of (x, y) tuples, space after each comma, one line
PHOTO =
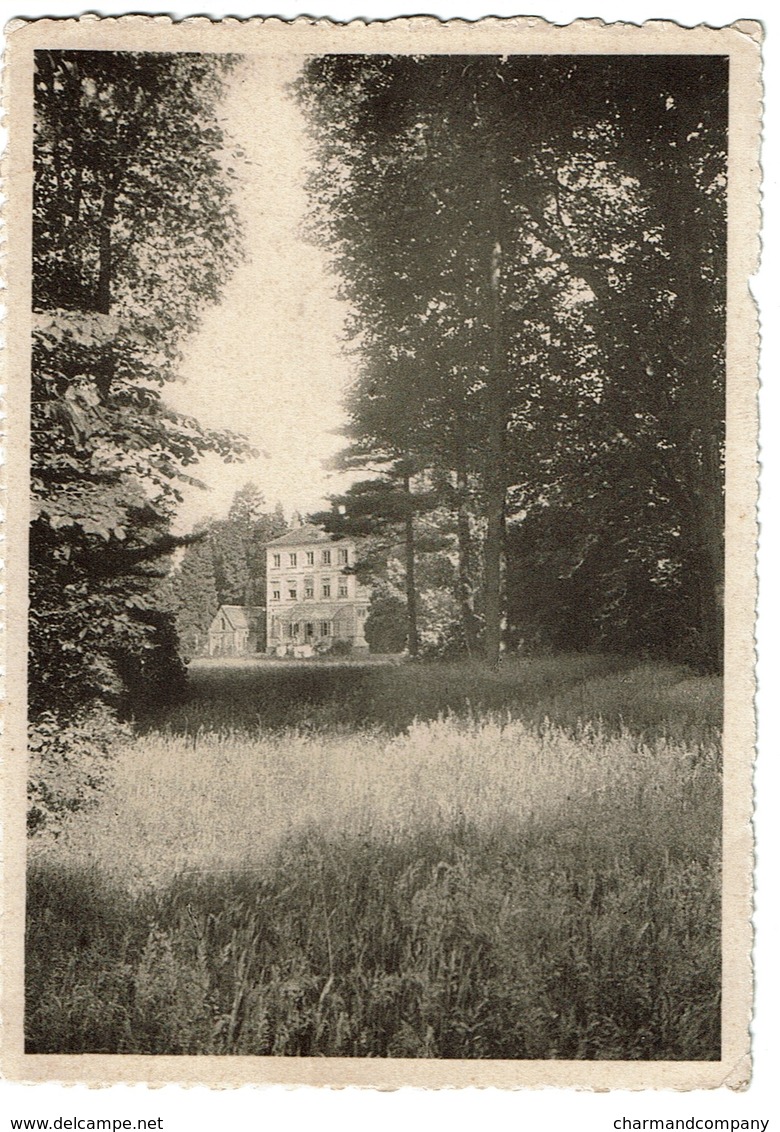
[(382, 476)]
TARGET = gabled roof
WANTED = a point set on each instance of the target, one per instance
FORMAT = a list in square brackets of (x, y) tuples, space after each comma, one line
[(238, 616), (303, 536)]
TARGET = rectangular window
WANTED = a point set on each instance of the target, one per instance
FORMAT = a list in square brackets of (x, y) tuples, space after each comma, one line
[(343, 557), (324, 628), (293, 559), (309, 629), (326, 589), (308, 592), (293, 594), (309, 557), (277, 560), (343, 590), (326, 558), (277, 595)]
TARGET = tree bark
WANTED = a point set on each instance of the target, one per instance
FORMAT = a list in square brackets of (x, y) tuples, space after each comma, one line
[(105, 265), (495, 475), (707, 533), (412, 640), (465, 581), (104, 370)]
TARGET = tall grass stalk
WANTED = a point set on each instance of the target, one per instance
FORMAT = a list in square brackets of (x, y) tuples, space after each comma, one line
[(486, 883)]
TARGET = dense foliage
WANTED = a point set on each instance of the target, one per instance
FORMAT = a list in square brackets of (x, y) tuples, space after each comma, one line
[(134, 231), (534, 251), (224, 565)]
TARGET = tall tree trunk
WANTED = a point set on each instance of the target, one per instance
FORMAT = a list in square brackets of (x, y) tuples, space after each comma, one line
[(105, 265), (495, 475), (465, 583), (707, 518), (104, 374), (412, 641)]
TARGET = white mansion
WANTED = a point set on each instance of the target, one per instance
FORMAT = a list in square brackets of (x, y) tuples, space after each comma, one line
[(310, 601)]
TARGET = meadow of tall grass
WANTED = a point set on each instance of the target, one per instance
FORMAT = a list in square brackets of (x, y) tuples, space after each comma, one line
[(402, 860)]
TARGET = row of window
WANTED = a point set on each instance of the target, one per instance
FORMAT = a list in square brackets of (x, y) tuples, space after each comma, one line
[(308, 592), (293, 629), (325, 558)]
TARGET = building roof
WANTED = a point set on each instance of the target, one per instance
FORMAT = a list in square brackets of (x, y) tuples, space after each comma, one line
[(238, 616), (304, 536)]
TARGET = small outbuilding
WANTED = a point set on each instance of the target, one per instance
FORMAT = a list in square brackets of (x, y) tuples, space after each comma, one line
[(237, 630)]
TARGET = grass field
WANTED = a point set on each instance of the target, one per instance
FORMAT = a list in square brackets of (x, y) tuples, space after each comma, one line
[(395, 860)]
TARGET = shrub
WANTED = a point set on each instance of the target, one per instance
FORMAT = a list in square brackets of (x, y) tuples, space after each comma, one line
[(336, 649), (155, 675), (68, 763), (385, 627)]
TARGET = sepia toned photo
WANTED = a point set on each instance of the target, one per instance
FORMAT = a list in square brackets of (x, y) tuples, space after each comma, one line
[(382, 556)]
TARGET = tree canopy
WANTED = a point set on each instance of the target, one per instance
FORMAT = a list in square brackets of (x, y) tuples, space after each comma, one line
[(534, 252), (134, 230), (224, 564)]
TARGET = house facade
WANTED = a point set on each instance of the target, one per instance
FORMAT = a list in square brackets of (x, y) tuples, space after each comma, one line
[(311, 603), (237, 630)]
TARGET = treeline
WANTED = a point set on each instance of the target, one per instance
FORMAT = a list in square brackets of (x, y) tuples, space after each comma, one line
[(134, 232), (224, 564), (533, 249)]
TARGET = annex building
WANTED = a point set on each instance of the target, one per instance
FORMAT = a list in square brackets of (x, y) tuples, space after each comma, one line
[(311, 602), (237, 630)]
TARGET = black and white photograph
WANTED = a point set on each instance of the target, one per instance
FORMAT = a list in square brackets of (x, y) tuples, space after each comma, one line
[(389, 500)]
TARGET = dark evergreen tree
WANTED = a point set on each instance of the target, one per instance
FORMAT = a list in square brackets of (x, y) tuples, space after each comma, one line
[(225, 564), (191, 593)]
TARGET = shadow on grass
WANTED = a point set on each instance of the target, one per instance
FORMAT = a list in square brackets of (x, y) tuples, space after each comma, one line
[(590, 931), (519, 944), (614, 692)]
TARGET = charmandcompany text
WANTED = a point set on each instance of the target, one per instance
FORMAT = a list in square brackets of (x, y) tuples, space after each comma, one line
[(647, 1124)]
